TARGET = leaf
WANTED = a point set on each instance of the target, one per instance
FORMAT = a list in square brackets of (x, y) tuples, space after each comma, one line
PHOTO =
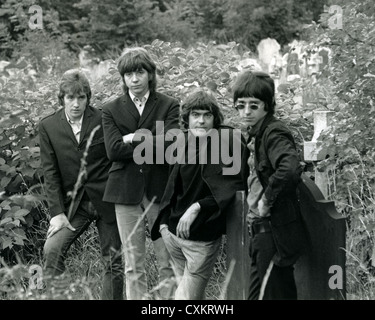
[(21, 213), (5, 221), (5, 181), (5, 142), (20, 232), (175, 61), (211, 85), (19, 241), (6, 242), (35, 164), (5, 204)]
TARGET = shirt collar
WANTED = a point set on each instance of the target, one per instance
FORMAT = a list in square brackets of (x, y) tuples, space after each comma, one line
[(143, 99), (254, 130), (79, 122)]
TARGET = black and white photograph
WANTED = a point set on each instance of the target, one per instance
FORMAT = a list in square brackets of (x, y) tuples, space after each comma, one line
[(185, 157)]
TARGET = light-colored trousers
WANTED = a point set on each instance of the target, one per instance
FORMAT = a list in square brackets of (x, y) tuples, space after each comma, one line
[(132, 231), (194, 262)]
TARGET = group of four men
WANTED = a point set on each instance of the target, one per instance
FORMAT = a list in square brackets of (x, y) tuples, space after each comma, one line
[(185, 203)]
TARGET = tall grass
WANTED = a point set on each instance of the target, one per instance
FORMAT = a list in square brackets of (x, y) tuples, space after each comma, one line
[(354, 193), (82, 279)]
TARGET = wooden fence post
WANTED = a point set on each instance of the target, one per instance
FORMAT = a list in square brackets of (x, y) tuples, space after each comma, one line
[(237, 249)]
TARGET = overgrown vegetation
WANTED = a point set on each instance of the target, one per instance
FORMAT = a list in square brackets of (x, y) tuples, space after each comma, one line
[(27, 97)]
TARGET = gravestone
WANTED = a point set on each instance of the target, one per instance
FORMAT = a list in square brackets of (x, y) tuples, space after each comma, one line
[(292, 68), (267, 48), (313, 271), (249, 64), (320, 272), (314, 152)]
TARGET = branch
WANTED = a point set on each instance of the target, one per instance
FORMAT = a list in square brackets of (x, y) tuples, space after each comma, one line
[(82, 171)]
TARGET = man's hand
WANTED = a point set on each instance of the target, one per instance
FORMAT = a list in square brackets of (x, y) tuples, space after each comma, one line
[(264, 208), (128, 138), (57, 223), (183, 227)]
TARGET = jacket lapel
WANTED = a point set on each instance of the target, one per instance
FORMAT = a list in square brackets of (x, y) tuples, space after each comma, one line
[(85, 124), (150, 105), (269, 118), (66, 126), (130, 107)]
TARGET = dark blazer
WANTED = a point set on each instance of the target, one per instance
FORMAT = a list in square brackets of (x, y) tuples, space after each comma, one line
[(278, 169), (223, 188), (61, 160), (129, 181)]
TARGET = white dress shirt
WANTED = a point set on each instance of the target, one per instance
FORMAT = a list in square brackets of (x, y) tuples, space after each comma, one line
[(139, 102), (76, 126)]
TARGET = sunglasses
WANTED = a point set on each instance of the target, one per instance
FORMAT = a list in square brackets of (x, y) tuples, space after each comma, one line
[(253, 106)]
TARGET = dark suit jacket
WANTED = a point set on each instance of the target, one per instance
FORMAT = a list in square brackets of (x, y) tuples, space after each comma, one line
[(279, 171), (129, 181), (61, 160)]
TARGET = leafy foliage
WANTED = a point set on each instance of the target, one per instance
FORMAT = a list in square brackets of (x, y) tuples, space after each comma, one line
[(350, 35), (109, 25)]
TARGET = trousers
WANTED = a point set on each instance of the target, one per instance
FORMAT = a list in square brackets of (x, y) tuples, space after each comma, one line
[(280, 283), (132, 230), (194, 262), (57, 246)]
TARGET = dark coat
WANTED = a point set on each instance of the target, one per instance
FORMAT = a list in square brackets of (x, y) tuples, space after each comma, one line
[(129, 181), (61, 156), (223, 188), (278, 169)]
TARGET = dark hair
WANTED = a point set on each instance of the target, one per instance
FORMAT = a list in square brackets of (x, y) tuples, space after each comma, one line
[(74, 81), (134, 59), (200, 100), (255, 84)]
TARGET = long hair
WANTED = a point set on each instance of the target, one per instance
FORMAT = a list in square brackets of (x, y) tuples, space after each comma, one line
[(74, 81), (200, 100), (134, 59), (255, 84)]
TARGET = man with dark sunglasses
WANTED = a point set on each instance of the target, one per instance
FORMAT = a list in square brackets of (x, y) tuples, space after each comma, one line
[(277, 236)]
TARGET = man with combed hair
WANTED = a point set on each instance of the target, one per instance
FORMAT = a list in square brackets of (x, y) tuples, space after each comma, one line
[(277, 234), (63, 138), (132, 186)]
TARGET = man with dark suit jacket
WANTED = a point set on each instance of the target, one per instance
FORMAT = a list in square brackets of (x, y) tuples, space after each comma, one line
[(132, 186), (63, 139), (277, 233), (199, 193)]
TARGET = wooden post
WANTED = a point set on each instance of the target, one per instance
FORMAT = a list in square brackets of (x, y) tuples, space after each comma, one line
[(237, 249)]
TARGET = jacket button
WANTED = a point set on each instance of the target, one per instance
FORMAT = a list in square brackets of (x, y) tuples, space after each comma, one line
[(140, 170)]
